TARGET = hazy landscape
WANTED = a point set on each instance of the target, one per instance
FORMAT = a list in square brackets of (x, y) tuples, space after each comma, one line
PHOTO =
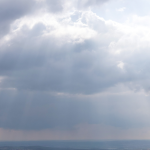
[(76, 145)]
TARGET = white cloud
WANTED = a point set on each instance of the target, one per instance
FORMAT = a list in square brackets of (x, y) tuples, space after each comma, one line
[(121, 9), (120, 64)]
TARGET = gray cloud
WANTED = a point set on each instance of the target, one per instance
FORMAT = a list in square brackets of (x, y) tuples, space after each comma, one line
[(88, 3), (56, 6), (40, 64), (12, 10), (32, 61), (42, 110)]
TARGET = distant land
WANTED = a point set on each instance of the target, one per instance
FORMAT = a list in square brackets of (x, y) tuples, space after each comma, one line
[(77, 145), (49, 148)]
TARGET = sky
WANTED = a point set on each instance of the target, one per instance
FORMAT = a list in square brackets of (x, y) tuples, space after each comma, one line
[(74, 70)]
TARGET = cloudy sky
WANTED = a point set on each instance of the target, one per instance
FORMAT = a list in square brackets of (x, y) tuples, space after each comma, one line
[(74, 69)]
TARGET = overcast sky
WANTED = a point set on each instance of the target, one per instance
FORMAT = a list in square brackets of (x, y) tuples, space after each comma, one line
[(74, 69)]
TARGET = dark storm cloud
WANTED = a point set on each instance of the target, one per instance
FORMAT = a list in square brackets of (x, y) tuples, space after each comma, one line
[(12, 10)]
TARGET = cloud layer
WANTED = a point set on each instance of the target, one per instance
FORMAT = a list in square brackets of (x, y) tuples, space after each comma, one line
[(63, 67)]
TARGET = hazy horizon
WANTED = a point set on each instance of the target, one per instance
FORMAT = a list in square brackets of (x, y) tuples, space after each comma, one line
[(106, 144)]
